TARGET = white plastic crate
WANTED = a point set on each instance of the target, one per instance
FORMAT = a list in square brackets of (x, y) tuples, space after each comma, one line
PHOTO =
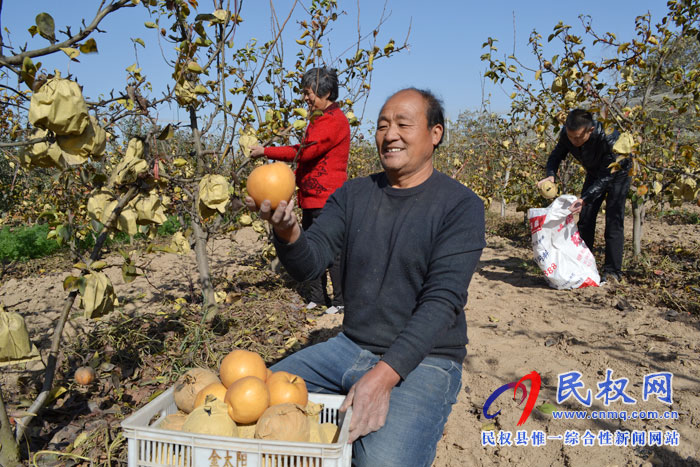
[(153, 447)]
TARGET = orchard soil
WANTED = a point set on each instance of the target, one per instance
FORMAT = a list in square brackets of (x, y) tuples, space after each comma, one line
[(650, 322)]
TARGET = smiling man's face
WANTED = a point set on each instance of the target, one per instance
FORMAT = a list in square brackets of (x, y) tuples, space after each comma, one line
[(404, 140)]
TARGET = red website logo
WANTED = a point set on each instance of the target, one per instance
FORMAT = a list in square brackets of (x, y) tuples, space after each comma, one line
[(535, 382)]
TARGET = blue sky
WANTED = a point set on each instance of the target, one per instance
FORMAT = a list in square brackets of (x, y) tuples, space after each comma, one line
[(445, 40)]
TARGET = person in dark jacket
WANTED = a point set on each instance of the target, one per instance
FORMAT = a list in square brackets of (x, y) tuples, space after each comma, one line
[(586, 140), (410, 238), (322, 162)]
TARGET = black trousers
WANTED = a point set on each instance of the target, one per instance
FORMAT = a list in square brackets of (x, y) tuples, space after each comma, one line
[(614, 197), (317, 288)]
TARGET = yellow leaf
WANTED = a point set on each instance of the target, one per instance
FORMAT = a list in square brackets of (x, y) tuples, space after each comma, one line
[(259, 227), (194, 67), (221, 15), (89, 47), (97, 265), (70, 283), (303, 113), (71, 52), (558, 84), (389, 47), (166, 133), (57, 392), (245, 220), (46, 26), (80, 439)]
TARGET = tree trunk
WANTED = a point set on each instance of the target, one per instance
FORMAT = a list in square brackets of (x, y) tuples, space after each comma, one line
[(638, 223), (200, 235), (200, 250), (9, 450), (505, 185)]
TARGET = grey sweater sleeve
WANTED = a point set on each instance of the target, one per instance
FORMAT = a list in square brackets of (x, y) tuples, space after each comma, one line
[(313, 252)]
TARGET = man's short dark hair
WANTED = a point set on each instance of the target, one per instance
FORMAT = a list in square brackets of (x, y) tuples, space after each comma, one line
[(579, 118), (434, 111), (321, 81)]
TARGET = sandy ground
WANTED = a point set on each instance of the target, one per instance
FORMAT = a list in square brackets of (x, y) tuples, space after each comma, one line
[(516, 325)]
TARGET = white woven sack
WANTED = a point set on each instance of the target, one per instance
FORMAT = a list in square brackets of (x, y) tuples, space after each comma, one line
[(559, 251)]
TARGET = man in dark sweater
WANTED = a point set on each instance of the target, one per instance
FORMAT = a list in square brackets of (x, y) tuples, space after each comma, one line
[(409, 238), (586, 140)]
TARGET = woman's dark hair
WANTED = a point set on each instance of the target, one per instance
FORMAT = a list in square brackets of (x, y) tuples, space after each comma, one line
[(579, 118), (321, 81)]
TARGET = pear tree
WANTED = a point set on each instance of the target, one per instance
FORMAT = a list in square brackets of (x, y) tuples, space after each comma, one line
[(92, 179), (647, 87)]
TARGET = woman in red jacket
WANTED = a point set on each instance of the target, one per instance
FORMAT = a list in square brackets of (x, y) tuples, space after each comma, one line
[(321, 163)]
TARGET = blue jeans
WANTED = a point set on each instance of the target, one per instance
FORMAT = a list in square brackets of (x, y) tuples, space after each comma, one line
[(418, 408)]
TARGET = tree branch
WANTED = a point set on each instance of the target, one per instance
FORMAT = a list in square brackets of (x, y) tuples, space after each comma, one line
[(1, 41), (262, 68), (30, 142), (16, 60)]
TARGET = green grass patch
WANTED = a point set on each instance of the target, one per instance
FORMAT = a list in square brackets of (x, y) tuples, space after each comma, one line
[(29, 242), (23, 243), (680, 217), (169, 227)]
